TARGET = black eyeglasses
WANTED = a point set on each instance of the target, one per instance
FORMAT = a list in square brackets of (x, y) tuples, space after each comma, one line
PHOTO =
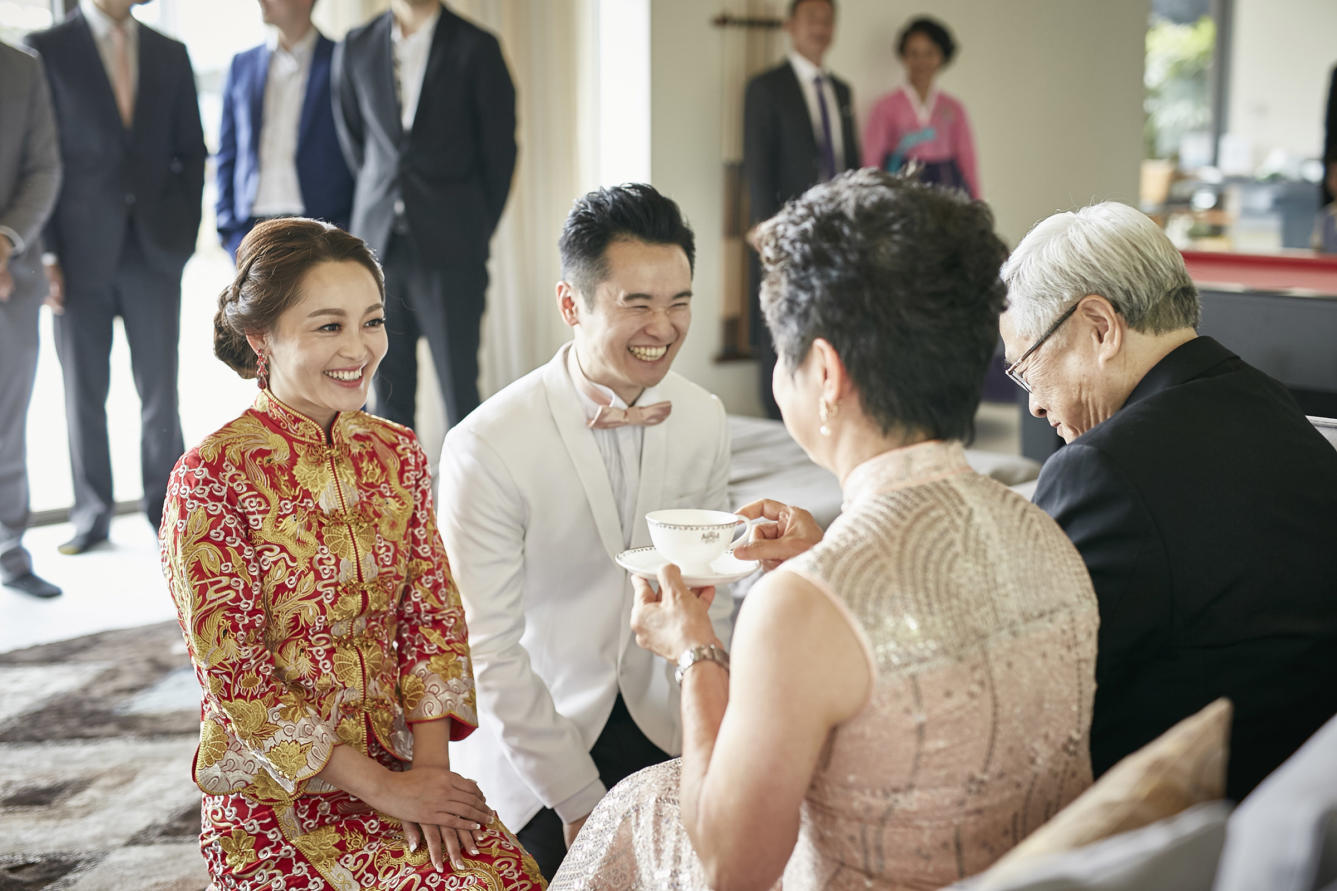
[(1011, 370)]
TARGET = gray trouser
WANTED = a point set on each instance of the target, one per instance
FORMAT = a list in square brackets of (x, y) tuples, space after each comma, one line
[(18, 369), (148, 300)]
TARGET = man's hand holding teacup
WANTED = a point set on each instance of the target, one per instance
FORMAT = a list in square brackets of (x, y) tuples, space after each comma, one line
[(792, 533), (673, 619)]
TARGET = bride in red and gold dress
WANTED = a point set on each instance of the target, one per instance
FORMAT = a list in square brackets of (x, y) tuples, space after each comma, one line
[(300, 545)]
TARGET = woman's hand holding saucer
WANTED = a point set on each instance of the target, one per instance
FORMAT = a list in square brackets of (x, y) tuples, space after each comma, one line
[(674, 618), (793, 532)]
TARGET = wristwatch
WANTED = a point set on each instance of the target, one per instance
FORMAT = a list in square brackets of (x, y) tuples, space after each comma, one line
[(693, 655)]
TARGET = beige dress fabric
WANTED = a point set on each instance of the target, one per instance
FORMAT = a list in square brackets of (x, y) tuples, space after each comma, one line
[(979, 622)]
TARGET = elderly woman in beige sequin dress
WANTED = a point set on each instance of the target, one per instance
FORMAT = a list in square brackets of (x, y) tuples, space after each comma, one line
[(910, 693)]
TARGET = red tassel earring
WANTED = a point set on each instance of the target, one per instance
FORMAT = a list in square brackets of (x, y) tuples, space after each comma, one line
[(262, 371)]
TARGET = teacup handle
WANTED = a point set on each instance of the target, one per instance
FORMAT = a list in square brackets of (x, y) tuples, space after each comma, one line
[(745, 526)]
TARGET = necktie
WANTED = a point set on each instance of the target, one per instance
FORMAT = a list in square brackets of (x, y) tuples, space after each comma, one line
[(121, 76), (645, 415), (828, 153)]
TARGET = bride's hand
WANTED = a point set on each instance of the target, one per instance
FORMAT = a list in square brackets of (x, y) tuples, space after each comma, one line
[(443, 808)]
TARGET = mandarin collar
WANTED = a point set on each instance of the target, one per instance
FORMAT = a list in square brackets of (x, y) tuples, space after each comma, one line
[(293, 423), (909, 465), (1183, 363)]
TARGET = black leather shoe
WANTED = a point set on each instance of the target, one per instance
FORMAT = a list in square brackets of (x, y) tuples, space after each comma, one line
[(82, 541), (33, 585)]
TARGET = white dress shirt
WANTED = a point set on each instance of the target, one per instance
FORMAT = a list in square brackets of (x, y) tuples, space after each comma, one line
[(278, 191), (620, 447), (101, 25), (410, 57), (807, 74)]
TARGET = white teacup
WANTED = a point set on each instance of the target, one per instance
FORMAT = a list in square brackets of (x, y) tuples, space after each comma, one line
[(693, 538)]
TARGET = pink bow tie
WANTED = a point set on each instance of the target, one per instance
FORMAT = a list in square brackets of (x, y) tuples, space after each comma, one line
[(645, 415)]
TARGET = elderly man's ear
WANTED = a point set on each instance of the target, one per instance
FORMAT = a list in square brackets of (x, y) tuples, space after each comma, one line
[(1106, 327)]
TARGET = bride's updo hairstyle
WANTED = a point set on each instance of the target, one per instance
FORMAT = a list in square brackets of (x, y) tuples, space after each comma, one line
[(272, 262)]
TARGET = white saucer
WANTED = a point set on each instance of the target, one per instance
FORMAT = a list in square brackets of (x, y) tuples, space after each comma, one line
[(646, 562)]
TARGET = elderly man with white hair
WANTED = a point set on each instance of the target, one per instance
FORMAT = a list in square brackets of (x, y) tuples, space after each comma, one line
[(1201, 499)]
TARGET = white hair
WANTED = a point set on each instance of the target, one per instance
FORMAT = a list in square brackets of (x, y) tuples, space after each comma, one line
[(1108, 249)]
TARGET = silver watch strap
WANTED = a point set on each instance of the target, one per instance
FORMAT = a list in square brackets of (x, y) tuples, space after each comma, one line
[(693, 655)]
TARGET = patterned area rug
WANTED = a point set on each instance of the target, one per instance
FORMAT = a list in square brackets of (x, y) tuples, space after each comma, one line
[(96, 740)]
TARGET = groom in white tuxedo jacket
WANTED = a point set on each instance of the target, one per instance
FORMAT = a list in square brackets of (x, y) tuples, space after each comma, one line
[(542, 486)]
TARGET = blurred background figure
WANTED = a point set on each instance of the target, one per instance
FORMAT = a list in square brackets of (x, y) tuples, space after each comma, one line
[(29, 183), (426, 114), (125, 223), (798, 129), (917, 121), (278, 152)]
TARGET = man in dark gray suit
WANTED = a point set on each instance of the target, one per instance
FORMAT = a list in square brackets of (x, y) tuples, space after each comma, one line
[(426, 114), (126, 221), (798, 130), (29, 182)]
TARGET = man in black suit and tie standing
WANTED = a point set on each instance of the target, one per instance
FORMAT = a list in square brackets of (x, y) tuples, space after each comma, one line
[(425, 111), (798, 130), (126, 222), (29, 183)]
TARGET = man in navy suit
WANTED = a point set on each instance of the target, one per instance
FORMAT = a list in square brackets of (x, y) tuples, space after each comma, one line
[(798, 130), (125, 223), (426, 115), (278, 152)]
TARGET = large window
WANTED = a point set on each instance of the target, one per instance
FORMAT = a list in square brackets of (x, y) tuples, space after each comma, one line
[(1234, 103)]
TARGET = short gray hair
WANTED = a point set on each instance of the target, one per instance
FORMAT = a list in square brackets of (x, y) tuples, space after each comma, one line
[(1108, 249)]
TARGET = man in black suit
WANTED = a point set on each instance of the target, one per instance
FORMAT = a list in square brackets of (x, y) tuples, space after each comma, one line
[(126, 222), (1201, 499), (425, 110), (798, 130)]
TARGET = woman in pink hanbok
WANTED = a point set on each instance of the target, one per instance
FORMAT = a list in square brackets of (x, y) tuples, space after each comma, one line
[(917, 122)]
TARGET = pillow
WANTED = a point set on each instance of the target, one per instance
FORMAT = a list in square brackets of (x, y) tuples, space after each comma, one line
[(1182, 767), (1179, 853), (1283, 836)]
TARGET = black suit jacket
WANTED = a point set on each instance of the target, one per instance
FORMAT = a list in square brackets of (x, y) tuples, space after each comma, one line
[(780, 158), (1206, 512), (152, 171), (452, 171)]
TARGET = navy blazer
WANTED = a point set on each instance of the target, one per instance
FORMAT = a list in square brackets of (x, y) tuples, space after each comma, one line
[(151, 172), (1206, 512), (450, 174), (322, 174)]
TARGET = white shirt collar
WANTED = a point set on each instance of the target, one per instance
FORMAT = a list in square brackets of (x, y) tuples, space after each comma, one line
[(302, 50), (805, 70), (580, 381), (101, 23), (422, 35)]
